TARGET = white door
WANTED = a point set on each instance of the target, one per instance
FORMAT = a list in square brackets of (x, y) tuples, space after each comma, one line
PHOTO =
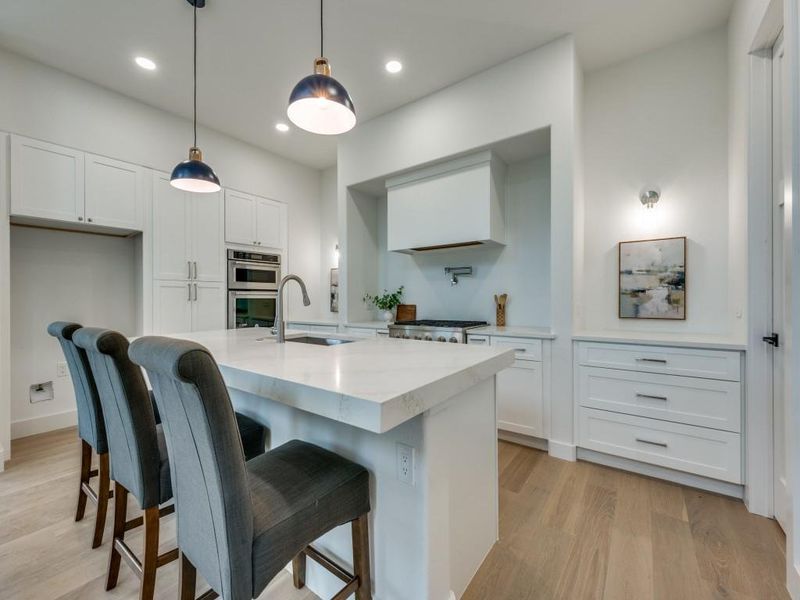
[(519, 398), (781, 281), (207, 237), (269, 222), (208, 306), (240, 218), (171, 230), (172, 307), (46, 180), (113, 193)]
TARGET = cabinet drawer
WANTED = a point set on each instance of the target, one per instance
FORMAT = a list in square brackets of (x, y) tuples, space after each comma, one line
[(525, 349), (481, 340), (692, 362), (707, 452), (691, 400)]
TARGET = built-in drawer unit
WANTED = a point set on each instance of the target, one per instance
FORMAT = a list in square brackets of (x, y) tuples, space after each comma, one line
[(691, 400), (524, 348), (708, 452), (691, 362), (674, 407)]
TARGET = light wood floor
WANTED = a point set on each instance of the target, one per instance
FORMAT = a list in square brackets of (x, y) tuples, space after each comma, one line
[(572, 531)]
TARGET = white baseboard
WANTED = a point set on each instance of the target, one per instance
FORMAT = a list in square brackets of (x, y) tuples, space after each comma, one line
[(2, 459), (522, 440), (26, 427), (562, 450), (688, 479)]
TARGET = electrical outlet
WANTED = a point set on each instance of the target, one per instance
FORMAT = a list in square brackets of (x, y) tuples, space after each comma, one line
[(61, 369), (405, 463)]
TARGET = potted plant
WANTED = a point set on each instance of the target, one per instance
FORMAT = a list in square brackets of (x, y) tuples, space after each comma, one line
[(385, 302)]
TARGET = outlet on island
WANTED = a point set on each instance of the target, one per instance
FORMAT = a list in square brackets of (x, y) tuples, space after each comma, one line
[(405, 463)]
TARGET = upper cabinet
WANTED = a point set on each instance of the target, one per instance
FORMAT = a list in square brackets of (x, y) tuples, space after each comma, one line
[(254, 221), (66, 185), (451, 205)]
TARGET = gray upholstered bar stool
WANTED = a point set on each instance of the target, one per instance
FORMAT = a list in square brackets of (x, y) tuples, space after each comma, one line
[(139, 463), (91, 428), (240, 522)]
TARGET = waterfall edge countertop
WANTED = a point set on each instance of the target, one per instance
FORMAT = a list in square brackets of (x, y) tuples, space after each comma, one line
[(374, 384)]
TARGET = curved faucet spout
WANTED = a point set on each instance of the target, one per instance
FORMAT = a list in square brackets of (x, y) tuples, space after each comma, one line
[(280, 325)]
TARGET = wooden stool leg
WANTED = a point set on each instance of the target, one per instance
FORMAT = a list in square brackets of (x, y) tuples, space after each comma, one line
[(86, 467), (120, 516), (188, 579), (150, 559), (103, 488), (299, 570), (361, 557)]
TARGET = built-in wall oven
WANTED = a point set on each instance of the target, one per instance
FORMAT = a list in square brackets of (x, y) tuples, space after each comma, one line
[(253, 280)]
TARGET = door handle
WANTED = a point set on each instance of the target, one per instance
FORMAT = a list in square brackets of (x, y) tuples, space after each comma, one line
[(195, 269), (189, 288), (195, 292), (652, 443), (772, 340), (650, 397), (189, 269)]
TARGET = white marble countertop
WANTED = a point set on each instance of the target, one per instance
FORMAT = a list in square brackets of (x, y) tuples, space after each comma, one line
[(650, 338), (514, 331), (320, 321), (374, 384), (370, 324)]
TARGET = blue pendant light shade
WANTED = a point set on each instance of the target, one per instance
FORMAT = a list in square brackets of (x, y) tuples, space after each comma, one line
[(319, 103), (194, 175)]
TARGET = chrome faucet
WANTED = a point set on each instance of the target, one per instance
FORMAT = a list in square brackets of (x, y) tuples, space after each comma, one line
[(280, 325)]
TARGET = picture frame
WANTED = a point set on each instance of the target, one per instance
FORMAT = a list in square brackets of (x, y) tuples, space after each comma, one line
[(652, 279)]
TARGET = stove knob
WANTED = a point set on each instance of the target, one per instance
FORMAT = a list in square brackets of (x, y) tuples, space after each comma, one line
[(453, 340), (405, 336), (428, 338), (417, 337), (441, 338)]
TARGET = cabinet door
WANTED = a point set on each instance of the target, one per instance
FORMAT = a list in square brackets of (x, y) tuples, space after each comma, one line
[(519, 398), (240, 218), (46, 180), (270, 217), (172, 307), (208, 306), (207, 237), (171, 223), (113, 193)]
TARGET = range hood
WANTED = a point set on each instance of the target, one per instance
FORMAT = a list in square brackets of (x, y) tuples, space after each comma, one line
[(458, 204)]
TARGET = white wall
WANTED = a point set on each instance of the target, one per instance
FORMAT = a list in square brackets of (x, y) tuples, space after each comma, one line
[(61, 276), (329, 238), (660, 120), (535, 90), (521, 268)]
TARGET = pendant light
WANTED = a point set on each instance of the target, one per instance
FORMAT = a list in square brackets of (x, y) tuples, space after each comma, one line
[(194, 175), (319, 103)]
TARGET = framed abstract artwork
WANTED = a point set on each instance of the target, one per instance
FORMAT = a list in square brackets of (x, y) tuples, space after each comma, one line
[(652, 279)]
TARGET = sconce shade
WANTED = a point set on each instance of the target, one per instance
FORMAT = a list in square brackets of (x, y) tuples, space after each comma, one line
[(649, 198)]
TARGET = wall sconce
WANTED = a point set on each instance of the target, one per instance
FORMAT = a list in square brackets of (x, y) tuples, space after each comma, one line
[(649, 198)]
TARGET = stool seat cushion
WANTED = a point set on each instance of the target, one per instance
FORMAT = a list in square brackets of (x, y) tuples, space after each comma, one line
[(299, 491)]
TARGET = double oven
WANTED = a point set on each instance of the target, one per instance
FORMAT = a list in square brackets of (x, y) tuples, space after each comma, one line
[(253, 280)]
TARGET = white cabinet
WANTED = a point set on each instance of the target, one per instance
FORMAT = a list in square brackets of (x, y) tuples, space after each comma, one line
[(254, 221), (66, 185), (183, 306), (187, 233), (519, 398), (46, 180), (113, 193)]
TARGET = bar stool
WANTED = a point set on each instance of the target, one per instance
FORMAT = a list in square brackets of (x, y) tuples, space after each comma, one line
[(91, 428), (240, 522)]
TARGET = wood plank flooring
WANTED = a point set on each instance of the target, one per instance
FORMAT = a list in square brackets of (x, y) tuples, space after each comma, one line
[(578, 531), (572, 531)]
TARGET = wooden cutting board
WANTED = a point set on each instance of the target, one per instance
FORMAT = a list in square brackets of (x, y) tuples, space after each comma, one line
[(406, 312)]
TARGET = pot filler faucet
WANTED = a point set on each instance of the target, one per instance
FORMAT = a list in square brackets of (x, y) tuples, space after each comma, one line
[(280, 325)]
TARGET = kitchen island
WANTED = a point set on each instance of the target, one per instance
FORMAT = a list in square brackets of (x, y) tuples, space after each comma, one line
[(420, 416)]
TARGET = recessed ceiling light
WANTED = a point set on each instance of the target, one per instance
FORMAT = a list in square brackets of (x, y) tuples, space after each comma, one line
[(282, 127), (145, 63), (394, 66)]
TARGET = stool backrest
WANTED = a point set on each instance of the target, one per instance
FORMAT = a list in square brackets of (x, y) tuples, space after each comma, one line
[(128, 413), (209, 478), (91, 426)]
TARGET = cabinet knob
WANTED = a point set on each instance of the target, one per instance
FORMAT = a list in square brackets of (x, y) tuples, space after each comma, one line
[(80, 218), (89, 219)]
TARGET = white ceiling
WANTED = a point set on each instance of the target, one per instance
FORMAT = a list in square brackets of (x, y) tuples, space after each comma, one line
[(253, 51)]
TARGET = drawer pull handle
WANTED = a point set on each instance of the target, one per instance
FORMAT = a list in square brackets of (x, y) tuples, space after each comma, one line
[(520, 349), (659, 361), (659, 444), (651, 397)]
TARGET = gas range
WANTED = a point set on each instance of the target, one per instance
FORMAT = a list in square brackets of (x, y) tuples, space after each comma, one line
[(454, 332)]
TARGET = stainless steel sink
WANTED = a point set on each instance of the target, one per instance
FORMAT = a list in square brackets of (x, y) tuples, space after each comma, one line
[(318, 341)]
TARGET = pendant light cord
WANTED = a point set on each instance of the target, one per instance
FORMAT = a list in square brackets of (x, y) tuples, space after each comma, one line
[(195, 73), (321, 31)]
